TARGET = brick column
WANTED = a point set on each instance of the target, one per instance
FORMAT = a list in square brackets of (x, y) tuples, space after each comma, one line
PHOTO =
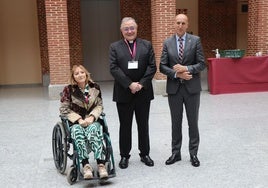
[(43, 40), (163, 14), (75, 33), (257, 27), (58, 45)]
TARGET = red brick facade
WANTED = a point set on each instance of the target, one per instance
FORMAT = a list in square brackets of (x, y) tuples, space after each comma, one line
[(163, 13), (74, 25), (258, 26), (217, 25), (58, 41), (60, 29), (141, 11), (42, 25)]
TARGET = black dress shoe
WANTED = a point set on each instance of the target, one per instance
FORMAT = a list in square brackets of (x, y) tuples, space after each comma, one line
[(123, 162), (147, 160), (172, 159), (194, 160)]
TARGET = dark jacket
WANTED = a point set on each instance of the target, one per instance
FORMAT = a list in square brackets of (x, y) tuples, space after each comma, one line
[(193, 58), (119, 56)]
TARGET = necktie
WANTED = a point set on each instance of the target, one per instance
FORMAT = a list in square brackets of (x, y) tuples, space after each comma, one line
[(180, 49)]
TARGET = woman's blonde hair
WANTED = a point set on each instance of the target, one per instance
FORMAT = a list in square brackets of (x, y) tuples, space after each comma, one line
[(72, 80)]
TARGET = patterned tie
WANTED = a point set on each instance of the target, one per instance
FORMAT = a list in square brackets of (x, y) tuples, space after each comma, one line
[(180, 48)]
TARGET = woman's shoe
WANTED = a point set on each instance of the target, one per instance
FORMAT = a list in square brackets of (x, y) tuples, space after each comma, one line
[(102, 171), (87, 172)]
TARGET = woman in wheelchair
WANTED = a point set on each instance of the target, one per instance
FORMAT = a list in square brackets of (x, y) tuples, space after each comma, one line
[(81, 104)]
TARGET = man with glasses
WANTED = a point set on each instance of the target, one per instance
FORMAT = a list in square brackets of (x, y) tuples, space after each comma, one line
[(132, 64)]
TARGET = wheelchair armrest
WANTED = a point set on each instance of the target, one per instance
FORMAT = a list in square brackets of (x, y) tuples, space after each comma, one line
[(63, 117), (102, 116), (67, 124)]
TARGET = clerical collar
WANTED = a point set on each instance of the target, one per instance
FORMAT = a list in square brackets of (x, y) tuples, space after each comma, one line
[(131, 41), (132, 47)]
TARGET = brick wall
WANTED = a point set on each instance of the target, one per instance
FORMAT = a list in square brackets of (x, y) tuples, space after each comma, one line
[(75, 37), (217, 25), (74, 30), (61, 45), (41, 12), (140, 10), (58, 41), (163, 15), (257, 27)]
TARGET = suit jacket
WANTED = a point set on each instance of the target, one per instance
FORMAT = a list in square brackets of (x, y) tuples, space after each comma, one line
[(193, 58), (119, 56)]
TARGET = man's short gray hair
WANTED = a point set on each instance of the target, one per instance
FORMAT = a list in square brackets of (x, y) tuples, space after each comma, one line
[(126, 19)]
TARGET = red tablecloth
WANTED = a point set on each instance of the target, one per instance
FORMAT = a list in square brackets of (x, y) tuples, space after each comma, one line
[(229, 75)]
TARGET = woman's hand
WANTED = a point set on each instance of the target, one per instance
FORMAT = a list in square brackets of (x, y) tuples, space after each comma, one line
[(82, 122), (90, 119), (87, 121)]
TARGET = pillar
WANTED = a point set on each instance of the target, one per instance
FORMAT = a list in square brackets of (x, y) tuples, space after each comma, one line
[(163, 14), (257, 27), (58, 45)]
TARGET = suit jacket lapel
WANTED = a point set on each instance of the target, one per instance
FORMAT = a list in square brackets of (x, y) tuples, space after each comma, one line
[(187, 47), (138, 48), (124, 47), (175, 49)]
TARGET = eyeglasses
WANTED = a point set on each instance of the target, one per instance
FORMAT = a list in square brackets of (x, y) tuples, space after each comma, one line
[(131, 28)]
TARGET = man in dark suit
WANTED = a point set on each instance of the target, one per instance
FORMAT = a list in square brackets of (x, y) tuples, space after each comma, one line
[(132, 64), (182, 60)]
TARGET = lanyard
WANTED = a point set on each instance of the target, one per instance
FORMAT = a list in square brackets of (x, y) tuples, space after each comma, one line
[(132, 53)]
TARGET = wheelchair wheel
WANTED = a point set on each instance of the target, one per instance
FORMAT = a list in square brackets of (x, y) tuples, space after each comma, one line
[(72, 175), (109, 158), (59, 147)]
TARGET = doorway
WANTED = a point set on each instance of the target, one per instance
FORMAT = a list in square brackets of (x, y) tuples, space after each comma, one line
[(242, 24), (100, 21)]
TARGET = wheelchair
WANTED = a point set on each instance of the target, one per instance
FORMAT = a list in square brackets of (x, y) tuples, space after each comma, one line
[(63, 147)]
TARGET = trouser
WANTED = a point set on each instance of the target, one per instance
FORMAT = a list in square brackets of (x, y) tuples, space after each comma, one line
[(191, 102), (125, 112), (88, 139)]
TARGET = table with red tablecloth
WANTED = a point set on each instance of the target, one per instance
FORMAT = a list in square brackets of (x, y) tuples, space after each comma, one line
[(236, 75)]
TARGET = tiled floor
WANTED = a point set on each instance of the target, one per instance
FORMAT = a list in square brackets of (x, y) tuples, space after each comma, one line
[(233, 149)]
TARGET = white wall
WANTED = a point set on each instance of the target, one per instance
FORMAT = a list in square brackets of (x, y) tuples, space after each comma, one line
[(19, 43)]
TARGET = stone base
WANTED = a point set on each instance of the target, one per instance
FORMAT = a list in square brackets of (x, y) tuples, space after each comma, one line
[(204, 80), (159, 87), (54, 91), (46, 80)]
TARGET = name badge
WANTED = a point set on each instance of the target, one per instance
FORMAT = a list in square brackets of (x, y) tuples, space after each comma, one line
[(133, 65)]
